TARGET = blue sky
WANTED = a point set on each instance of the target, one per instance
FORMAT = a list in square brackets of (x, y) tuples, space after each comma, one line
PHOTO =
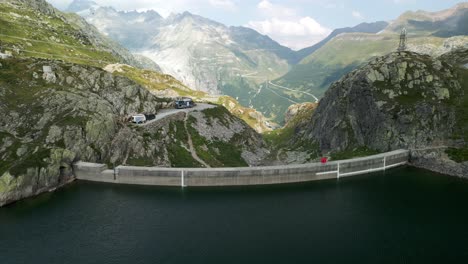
[(294, 23)]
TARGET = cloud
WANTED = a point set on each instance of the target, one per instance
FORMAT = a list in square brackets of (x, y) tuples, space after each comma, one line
[(273, 10), (334, 5), (61, 4), (282, 23), (286, 26), (161, 6), (357, 15), (168, 6), (224, 4)]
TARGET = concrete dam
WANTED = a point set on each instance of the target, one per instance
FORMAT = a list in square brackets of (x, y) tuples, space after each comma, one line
[(186, 177)]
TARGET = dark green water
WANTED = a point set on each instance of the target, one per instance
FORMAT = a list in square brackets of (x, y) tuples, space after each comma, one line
[(403, 216)]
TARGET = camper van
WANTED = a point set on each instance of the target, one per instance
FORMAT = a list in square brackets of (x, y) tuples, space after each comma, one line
[(138, 119), (184, 102)]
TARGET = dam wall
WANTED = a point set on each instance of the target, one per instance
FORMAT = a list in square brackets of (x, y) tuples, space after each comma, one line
[(186, 177)]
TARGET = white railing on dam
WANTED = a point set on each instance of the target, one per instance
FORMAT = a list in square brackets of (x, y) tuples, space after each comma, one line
[(239, 176)]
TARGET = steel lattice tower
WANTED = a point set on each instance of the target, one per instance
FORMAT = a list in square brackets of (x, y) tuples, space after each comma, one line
[(403, 39)]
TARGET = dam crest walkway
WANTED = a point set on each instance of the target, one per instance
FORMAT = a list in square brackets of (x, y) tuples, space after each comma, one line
[(186, 177)]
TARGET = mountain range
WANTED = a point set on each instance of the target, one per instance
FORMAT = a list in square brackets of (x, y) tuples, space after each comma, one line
[(204, 54), (432, 33), (260, 73)]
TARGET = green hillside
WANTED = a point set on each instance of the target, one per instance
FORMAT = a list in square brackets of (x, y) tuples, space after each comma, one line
[(166, 86), (343, 54), (48, 33), (428, 33)]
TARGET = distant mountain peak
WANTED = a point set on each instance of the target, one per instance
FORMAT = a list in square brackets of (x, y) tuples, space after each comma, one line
[(177, 17), (372, 28), (445, 23)]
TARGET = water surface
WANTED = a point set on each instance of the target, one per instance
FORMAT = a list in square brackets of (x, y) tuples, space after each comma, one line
[(402, 216)]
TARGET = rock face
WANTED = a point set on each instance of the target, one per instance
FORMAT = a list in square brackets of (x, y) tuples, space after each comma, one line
[(299, 112), (437, 160), (217, 131), (402, 100), (55, 113)]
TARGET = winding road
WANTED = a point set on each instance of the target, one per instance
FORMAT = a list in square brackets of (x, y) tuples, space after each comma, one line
[(298, 91), (254, 76), (168, 112)]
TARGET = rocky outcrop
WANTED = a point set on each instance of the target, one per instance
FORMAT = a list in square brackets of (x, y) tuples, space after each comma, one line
[(254, 118), (56, 113), (220, 130), (437, 160), (299, 112), (403, 100)]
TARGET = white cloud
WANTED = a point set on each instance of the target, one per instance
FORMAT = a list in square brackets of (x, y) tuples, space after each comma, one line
[(404, 1), (357, 15), (282, 23), (334, 5), (273, 10), (61, 4), (168, 6), (286, 26), (224, 4), (161, 6)]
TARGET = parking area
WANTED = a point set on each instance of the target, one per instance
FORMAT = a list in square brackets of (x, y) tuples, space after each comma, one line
[(168, 112)]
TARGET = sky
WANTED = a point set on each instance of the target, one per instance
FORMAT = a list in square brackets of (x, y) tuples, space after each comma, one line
[(293, 23)]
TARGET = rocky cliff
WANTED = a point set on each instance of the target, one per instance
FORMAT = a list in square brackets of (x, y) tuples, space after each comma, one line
[(286, 147), (402, 100), (55, 113)]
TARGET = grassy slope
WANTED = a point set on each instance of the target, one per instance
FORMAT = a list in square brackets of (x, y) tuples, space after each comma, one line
[(328, 64), (216, 153), (154, 81), (178, 155), (281, 139), (42, 36), (244, 113), (341, 55), (21, 94), (461, 154), (245, 82)]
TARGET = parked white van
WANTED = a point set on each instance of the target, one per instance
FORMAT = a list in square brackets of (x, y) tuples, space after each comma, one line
[(139, 119)]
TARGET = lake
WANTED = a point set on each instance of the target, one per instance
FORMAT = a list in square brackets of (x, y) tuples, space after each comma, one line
[(405, 215)]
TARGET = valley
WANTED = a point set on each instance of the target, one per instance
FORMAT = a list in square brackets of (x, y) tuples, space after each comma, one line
[(232, 131), (70, 82), (239, 62)]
